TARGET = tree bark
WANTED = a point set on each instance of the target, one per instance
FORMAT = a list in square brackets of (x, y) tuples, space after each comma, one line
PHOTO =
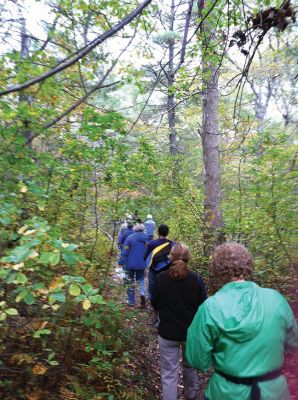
[(23, 97), (214, 224), (171, 96)]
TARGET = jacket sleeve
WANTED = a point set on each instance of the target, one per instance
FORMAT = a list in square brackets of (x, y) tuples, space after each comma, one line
[(124, 252), (120, 238), (155, 296), (200, 340), (202, 289), (148, 251), (291, 325)]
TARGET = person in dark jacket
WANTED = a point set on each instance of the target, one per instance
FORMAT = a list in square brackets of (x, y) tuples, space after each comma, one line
[(180, 293), (157, 257), (132, 259)]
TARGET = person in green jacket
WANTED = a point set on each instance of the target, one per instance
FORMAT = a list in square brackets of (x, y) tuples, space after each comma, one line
[(242, 331)]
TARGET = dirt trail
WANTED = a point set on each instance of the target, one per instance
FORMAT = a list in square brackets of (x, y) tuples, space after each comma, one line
[(146, 356)]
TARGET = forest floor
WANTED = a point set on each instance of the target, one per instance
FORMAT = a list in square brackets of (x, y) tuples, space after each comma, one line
[(146, 357)]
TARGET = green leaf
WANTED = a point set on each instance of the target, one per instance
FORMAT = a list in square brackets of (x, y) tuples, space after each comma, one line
[(3, 316), (81, 297), (21, 278), (5, 220), (12, 311), (19, 254), (40, 332), (57, 297), (69, 279), (89, 290), (49, 258), (11, 277), (53, 362), (70, 258), (97, 299), (74, 290), (29, 298)]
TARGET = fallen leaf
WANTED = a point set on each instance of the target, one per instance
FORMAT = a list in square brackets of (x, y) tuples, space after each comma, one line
[(86, 304), (39, 369)]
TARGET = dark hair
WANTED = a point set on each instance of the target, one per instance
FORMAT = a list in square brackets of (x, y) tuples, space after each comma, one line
[(163, 230), (129, 224), (180, 255), (232, 260)]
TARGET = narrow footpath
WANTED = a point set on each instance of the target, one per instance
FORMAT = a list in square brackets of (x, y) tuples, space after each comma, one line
[(146, 357)]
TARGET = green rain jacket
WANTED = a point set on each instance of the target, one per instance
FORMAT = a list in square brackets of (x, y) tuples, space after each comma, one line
[(242, 330)]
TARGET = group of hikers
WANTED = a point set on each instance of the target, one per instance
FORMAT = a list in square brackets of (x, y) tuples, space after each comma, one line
[(241, 331)]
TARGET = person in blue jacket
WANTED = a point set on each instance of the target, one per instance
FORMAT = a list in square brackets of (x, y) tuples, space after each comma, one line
[(150, 227), (124, 234), (132, 259)]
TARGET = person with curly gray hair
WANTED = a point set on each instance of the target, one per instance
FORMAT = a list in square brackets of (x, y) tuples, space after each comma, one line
[(242, 330)]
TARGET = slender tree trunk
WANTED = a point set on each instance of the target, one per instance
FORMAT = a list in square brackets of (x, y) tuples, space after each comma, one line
[(23, 97), (171, 96), (214, 224)]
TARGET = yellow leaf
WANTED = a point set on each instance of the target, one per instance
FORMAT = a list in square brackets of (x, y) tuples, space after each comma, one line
[(22, 229), (65, 245), (3, 316), (29, 232), (39, 369), (24, 189), (86, 304), (43, 324), (21, 358), (33, 255), (19, 298), (37, 394), (18, 266), (56, 283), (56, 307)]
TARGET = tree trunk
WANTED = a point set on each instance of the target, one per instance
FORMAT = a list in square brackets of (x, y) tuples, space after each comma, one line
[(214, 224), (171, 96), (23, 97)]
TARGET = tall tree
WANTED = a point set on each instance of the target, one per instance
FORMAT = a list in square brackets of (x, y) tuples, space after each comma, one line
[(210, 137)]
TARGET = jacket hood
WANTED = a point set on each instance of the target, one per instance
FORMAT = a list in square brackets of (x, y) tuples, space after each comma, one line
[(242, 312), (139, 237)]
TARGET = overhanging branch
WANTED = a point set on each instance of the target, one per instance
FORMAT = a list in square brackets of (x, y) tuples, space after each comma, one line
[(82, 53)]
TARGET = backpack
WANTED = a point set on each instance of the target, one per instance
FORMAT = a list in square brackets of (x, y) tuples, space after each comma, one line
[(160, 260)]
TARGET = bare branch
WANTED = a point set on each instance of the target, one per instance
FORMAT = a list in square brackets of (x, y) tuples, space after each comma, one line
[(82, 53)]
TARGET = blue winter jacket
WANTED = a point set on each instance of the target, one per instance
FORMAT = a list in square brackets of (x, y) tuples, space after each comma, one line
[(150, 227), (134, 249), (123, 235)]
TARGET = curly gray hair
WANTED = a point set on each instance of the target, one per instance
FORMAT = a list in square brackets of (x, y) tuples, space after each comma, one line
[(232, 260)]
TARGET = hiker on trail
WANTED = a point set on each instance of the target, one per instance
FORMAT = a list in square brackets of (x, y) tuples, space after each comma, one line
[(124, 234), (157, 257), (136, 219), (132, 259), (180, 293), (242, 330), (150, 227), (122, 229)]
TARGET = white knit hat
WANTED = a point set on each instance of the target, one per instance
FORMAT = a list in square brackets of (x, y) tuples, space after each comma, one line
[(149, 216)]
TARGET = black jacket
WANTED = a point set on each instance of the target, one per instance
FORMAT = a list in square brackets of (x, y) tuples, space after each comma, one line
[(177, 302)]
